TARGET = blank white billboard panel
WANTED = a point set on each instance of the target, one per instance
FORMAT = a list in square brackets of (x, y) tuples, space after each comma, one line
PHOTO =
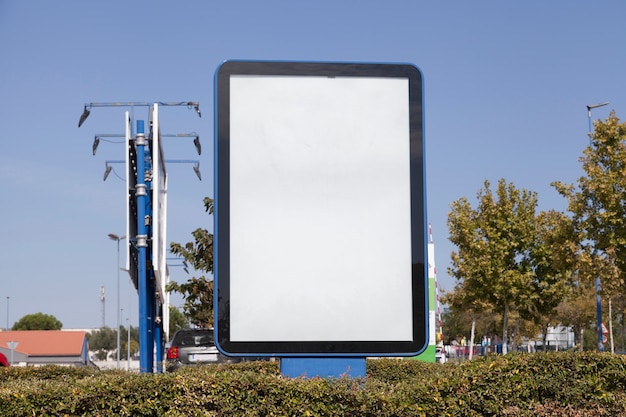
[(306, 197)]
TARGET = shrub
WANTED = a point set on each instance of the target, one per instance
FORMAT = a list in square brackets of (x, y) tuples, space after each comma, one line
[(542, 384)]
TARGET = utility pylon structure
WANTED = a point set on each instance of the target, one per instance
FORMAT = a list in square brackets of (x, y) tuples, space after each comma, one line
[(146, 222)]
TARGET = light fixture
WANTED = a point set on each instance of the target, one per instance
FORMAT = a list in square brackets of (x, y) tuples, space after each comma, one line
[(197, 107), (196, 142), (83, 116), (96, 142), (196, 166), (107, 171), (595, 106), (196, 169)]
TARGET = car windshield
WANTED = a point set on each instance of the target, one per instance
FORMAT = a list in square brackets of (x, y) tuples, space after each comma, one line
[(194, 338)]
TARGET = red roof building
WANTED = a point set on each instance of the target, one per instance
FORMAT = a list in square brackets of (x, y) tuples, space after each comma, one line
[(43, 347)]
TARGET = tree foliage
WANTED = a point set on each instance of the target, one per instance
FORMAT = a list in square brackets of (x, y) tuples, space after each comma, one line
[(598, 205), (38, 321), (509, 258), (198, 291), (177, 320), (553, 260), (578, 310), (458, 321), (542, 267), (134, 342), (104, 341)]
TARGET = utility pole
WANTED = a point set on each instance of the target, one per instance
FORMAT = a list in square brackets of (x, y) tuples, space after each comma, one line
[(599, 325), (146, 222)]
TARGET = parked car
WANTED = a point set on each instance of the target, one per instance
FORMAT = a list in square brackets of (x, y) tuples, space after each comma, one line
[(193, 347), (3, 360)]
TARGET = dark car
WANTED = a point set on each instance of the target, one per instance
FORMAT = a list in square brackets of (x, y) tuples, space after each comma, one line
[(193, 347)]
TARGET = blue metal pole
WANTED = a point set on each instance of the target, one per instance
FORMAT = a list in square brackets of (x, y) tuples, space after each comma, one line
[(145, 348), (150, 278), (158, 336), (151, 313), (598, 286)]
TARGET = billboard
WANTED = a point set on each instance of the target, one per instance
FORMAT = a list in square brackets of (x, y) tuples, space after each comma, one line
[(132, 257), (159, 206), (320, 209)]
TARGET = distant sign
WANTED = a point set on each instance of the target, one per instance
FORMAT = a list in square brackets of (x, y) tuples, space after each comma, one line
[(320, 210)]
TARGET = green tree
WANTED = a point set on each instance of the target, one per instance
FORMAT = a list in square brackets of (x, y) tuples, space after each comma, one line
[(503, 262), (134, 342), (578, 311), (134, 349), (552, 259), (198, 291), (102, 342), (465, 310), (459, 319), (37, 321), (598, 206), (177, 321)]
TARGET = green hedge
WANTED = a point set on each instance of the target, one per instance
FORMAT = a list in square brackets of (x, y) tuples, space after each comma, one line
[(544, 384)]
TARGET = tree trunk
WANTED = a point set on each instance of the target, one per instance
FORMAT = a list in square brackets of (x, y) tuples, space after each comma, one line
[(472, 333), (505, 325), (623, 332), (516, 332), (611, 326), (582, 334)]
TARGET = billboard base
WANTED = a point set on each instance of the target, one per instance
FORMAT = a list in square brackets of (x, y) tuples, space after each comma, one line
[(323, 367)]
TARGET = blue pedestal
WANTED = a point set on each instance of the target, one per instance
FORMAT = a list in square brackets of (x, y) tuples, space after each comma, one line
[(323, 367)]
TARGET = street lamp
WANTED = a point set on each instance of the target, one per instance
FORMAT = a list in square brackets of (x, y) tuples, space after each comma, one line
[(117, 238), (593, 106), (89, 106), (107, 171), (598, 283)]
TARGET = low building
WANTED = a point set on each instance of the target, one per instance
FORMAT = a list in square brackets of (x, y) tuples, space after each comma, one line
[(45, 347)]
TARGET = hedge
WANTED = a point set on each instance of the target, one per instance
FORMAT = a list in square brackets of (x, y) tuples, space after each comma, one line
[(540, 384)]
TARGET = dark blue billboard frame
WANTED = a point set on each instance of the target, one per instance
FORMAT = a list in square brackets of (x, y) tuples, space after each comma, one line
[(308, 348)]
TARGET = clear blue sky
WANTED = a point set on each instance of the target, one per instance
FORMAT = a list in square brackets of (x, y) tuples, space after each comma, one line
[(506, 85)]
